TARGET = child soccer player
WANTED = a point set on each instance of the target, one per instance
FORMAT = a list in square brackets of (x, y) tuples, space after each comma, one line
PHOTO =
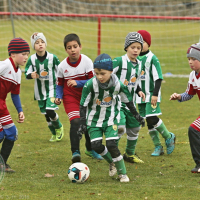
[(150, 83), (10, 79), (128, 69), (100, 100), (42, 66), (73, 72), (193, 55)]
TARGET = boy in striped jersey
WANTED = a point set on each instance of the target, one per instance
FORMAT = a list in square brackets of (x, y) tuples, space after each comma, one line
[(128, 69), (73, 72), (100, 113), (193, 55), (42, 66), (150, 83), (10, 80)]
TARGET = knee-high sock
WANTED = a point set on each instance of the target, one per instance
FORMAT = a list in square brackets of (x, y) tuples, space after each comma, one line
[(154, 134), (161, 128)]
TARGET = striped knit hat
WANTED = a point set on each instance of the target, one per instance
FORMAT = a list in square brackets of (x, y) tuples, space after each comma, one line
[(18, 45), (37, 36), (194, 51), (103, 61), (131, 38)]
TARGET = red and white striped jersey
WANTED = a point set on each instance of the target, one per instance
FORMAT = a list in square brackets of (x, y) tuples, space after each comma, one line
[(193, 84), (10, 78), (82, 70)]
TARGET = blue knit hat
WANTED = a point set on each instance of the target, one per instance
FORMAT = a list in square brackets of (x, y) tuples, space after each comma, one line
[(103, 61)]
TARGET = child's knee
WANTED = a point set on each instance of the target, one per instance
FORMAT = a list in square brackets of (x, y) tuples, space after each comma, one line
[(11, 133)]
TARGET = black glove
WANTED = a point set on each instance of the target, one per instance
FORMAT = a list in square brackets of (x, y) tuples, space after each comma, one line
[(140, 119), (82, 129)]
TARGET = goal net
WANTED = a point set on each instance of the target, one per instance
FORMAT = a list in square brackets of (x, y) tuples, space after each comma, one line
[(102, 26)]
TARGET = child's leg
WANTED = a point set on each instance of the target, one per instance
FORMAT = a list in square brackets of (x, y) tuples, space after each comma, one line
[(51, 128)]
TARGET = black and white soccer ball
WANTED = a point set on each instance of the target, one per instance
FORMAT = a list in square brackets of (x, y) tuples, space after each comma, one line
[(78, 172)]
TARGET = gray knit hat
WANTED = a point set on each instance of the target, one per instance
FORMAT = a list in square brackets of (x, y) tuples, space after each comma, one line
[(133, 37), (194, 51), (37, 36)]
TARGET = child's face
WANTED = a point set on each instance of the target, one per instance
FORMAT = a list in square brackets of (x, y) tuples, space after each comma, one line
[(194, 64), (73, 50), (133, 51), (40, 46), (102, 75), (145, 47), (20, 58)]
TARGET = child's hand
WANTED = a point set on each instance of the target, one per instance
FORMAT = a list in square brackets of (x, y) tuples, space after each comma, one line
[(21, 117), (34, 75), (71, 83), (154, 100), (142, 95), (58, 101), (175, 96)]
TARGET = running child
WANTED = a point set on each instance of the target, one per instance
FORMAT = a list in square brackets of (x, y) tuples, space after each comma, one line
[(10, 80), (42, 66), (150, 83), (73, 72), (100, 113)]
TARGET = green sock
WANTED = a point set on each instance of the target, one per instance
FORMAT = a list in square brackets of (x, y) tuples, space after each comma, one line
[(108, 157), (52, 129), (154, 134), (130, 146), (57, 124), (121, 169), (163, 131)]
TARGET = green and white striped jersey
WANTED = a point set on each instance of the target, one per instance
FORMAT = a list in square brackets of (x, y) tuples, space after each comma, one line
[(152, 72), (127, 72), (45, 85), (103, 105)]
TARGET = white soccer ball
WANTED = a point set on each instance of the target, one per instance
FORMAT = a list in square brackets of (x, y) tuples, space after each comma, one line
[(78, 172)]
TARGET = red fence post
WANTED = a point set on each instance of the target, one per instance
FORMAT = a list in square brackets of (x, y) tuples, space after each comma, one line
[(99, 37)]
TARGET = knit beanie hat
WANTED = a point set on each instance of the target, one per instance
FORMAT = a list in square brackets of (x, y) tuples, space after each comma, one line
[(103, 61), (146, 36), (194, 51), (131, 38), (37, 36), (18, 45)]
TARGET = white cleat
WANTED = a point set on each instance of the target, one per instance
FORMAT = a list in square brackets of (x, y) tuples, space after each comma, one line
[(123, 178)]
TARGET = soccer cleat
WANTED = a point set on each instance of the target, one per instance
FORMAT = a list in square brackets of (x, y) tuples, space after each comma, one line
[(158, 151), (76, 157), (196, 170), (93, 154), (112, 169), (132, 159), (123, 178), (59, 133), (53, 138), (170, 143), (8, 169)]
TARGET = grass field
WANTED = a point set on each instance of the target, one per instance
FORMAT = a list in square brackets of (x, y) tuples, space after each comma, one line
[(163, 178)]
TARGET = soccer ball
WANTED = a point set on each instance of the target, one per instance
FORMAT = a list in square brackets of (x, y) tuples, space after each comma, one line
[(78, 172)]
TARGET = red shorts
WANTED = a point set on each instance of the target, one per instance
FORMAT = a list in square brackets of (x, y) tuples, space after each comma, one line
[(72, 108), (196, 124), (5, 118)]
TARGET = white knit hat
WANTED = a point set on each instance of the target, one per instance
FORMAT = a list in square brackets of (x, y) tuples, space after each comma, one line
[(131, 38), (37, 36)]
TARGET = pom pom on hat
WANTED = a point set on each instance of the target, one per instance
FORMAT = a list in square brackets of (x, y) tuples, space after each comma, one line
[(146, 36), (103, 61), (37, 36), (131, 38), (18, 45), (194, 51)]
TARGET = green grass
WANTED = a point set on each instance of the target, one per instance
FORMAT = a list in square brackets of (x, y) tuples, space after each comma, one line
[(162, 178)]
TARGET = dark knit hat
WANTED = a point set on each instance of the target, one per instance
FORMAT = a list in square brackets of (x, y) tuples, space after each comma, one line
[(103, 61), (18, 45), (146, 36), (194, 51), (131, 38)]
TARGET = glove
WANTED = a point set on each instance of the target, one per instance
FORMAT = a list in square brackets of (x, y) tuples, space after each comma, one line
[(140, 119), (82, 129)]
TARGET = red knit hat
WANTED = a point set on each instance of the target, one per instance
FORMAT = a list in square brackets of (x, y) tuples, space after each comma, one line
[(18, 45), (146, 36)]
